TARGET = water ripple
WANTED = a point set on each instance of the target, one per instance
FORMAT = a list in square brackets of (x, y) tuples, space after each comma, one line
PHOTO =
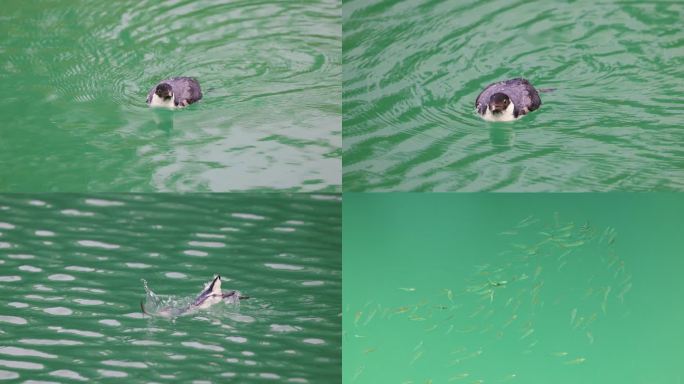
[(20, 364), (175, 275), (68, 374), (76, 332), (59, 311), (75, 212), (284, 328), (237, 339), (13, 320), (128, 364), (104, 203), (412, 72), (21, 256), (16, 351), (110, 322), (314, 341), (206, 244), (8, 375), (89, 302), (194, 252), (247, 216), (207, 347), (98, 244), (61, 277), (286, 267), (50, 342), (86, 73), (108, 373), (138, 265)]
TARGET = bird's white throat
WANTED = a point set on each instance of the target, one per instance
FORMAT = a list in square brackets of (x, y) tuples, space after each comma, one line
[(506, 115), (160, 102)]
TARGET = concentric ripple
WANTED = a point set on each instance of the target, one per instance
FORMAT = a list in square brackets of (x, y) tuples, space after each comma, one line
[(79, 75), (412, 71)]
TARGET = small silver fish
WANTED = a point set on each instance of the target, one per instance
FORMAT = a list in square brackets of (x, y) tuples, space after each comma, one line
[(528, 333), (576, 361), (573, 314)]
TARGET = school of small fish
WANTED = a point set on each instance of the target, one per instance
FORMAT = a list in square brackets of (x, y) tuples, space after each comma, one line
[(520, 300)]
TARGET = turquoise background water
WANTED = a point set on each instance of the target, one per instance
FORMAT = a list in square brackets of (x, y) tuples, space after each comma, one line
[(75, 76), (589, 288), (70, 287), (412, 71)]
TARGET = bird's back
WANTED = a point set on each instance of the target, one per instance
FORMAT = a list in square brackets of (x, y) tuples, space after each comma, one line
[(185, 88)]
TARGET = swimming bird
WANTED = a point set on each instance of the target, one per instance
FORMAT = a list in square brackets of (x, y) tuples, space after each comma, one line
[(507, 100), (209, 296), (212, 294), (175, 92)]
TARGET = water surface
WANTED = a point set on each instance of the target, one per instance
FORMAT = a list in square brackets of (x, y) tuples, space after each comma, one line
[(71, 270), (76, 76), (413, 69)]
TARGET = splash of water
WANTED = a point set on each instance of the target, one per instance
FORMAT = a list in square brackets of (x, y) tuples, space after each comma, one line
[(172, 306)]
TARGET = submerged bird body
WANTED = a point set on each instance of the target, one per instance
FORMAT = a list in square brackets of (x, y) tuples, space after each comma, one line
[(507, 100), (175, 92), (209, 296), (212, 294)]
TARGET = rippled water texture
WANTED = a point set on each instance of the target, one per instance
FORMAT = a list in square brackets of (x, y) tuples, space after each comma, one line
[(412, 71), (525, 288), (75, 76), (70, 281)]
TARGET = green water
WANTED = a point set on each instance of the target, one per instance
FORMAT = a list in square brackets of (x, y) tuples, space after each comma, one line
[(525, 288), (70, 281), (413, 69), (76, 74)]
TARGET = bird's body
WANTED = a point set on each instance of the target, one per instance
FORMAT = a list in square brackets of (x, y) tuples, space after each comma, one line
[(212, 294), (507, 100), (175, 92)]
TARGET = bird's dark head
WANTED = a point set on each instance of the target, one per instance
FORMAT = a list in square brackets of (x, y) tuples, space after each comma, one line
[(164, 91), (498, 103)]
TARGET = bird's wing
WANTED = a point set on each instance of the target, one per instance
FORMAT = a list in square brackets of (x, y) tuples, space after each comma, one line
[(186, 89), (193, 92), (525, 98), (535, 100), (202, 296), (149, 95)]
